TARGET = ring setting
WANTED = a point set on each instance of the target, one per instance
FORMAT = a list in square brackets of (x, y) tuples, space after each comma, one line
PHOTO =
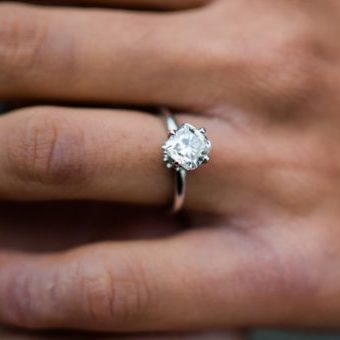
[(186, 149)]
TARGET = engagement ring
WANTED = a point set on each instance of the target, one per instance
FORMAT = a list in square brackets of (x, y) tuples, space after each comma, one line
[(186, 149)]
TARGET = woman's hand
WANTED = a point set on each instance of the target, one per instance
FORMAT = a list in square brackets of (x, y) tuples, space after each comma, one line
[(262, 76)]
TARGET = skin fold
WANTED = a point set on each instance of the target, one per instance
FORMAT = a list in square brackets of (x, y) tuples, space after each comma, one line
[(85, 239)]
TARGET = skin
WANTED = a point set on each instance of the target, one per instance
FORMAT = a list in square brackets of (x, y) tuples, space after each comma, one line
[(258, 244)]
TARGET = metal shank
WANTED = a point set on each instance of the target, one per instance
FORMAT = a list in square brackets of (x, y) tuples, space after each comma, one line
[(180, 187), (170, 120), (180, 173)]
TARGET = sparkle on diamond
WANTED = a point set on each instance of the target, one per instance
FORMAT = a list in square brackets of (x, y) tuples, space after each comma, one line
[(187, 147)]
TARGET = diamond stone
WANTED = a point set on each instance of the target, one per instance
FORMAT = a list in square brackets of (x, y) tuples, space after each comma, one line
[(187, 147)]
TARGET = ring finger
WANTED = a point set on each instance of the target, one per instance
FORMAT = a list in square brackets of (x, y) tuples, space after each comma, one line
[(58, 153)]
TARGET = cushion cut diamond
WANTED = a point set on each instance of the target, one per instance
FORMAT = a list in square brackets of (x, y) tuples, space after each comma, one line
[(188, 147)]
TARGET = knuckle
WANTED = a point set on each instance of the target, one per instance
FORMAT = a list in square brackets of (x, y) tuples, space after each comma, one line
[(113, 294), (21, 299), (21, 40), (97, 290), (44, 147)]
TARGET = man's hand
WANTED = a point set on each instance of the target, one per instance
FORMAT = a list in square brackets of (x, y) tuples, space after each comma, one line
[(262, 76)]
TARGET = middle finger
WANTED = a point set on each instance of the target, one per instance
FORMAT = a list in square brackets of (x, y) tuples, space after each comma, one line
[(94, 55)]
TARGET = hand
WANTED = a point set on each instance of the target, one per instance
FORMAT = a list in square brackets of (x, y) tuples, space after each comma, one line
[(262, 77)]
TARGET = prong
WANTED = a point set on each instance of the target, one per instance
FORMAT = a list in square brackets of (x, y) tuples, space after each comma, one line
[(169, 166), (171, 133), (163, 147), (202, 130), (206, 159), (165, 158)]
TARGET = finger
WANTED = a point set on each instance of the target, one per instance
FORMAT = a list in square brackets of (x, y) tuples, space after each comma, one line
[(51, 153), (93, 55), (211, 279), (135, 4), (54, 153)]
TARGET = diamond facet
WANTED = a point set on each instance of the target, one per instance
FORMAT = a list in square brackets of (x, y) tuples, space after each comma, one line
[(187, 147)]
